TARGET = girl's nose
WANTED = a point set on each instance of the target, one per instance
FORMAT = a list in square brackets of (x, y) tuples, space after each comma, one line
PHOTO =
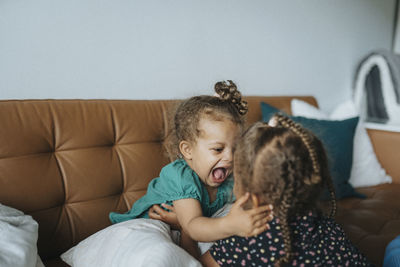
[(228, 155)]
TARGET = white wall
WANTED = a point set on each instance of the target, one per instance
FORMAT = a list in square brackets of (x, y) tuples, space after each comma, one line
[(177, 48)]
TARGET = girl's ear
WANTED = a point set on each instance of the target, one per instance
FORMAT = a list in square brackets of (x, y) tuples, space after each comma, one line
[(255, 200), (186, 149)]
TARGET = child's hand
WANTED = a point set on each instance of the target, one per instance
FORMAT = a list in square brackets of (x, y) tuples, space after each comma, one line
[(249, 222), (157, 213)]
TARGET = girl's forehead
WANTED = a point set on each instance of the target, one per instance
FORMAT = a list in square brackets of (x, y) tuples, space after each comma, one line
[(215, 114), (218, 129), (224, 122)]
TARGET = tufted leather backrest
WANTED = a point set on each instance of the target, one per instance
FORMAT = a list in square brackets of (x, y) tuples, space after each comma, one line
[(68, 163)]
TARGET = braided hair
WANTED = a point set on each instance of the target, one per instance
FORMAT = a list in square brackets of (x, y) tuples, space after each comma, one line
[(307, 137), (285, 166), (226, 104), (229, 92)]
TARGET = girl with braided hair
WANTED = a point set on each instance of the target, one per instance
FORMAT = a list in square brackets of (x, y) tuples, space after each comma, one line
[(283, 164), (198, 182)]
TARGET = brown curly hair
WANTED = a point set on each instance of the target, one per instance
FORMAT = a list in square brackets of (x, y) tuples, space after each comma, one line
[(228, 104), (285, 166)]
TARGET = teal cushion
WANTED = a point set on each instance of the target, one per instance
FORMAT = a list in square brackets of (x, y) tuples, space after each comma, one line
[(337, 137)]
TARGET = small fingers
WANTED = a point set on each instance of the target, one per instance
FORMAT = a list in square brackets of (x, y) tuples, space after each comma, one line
[(260, 229), (263, 221), (268, 207), (151, 210), (261, 209), (157, 209), (242, 200), (261, 226), (263, 216), (171, 208), (153, 214)]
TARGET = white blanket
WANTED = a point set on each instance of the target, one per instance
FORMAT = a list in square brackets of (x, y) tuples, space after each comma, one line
[(18, 237)]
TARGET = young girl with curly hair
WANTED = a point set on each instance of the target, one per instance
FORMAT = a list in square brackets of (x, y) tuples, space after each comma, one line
[(198, 182), (283, 164)]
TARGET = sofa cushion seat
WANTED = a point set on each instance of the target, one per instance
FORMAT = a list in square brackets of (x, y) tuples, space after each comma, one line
[(371, 223)]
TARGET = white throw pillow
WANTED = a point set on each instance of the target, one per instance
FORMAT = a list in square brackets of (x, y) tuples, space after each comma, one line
[(18, 237), (366, 170), (138, 242)]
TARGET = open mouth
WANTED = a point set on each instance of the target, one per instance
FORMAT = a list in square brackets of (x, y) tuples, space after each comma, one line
[(219, 175)]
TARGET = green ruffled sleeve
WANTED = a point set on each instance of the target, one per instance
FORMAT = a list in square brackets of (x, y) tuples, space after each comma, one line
[(177, 181)]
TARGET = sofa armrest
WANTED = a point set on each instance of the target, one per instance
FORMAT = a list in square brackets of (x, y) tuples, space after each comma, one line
[(387, 146)]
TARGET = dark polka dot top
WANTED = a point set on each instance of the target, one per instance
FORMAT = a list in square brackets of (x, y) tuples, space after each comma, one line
[(317, 241)]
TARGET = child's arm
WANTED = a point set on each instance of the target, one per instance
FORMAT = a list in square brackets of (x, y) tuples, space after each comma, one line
[(207, 260), (188, 244), (238, 221)]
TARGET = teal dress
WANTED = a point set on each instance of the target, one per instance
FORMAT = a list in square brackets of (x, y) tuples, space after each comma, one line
[(177, 181)]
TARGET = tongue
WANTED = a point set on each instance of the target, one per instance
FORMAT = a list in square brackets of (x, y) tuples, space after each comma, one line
[(219, 173)]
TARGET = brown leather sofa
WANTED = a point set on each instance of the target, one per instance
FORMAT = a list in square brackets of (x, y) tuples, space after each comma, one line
[(68, 163)]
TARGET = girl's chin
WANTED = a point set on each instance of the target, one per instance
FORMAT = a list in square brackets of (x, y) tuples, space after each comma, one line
[(212, 183), (217, 182)]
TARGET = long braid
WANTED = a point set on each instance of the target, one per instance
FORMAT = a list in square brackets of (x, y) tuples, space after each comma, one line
[(287, 167), (286, 233), (316, 176), (333, 197), (305, 137), (283, 191)]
